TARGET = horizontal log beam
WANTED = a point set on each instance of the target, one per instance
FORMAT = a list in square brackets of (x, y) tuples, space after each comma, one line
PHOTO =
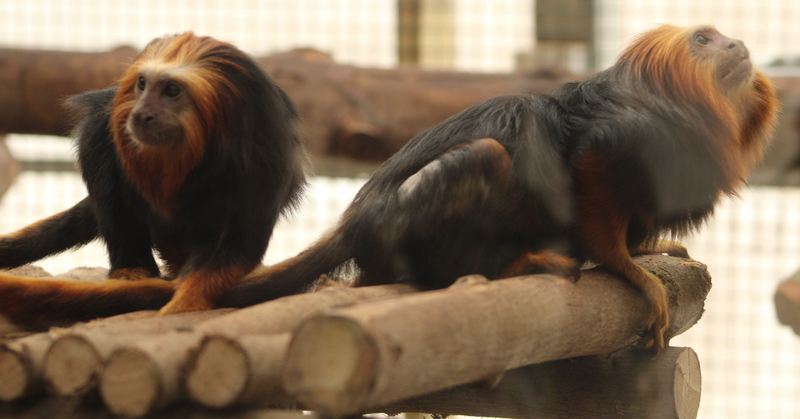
[(349, 360)]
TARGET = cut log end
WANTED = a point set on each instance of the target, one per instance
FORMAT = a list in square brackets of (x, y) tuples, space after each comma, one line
[(72, 366), (688, 383), (130, 385), (349, 362), (219, 374), (16, 376)]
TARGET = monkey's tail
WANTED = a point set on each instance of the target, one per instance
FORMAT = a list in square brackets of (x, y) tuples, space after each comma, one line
[(292, 276), (68, 229), (36, 303)]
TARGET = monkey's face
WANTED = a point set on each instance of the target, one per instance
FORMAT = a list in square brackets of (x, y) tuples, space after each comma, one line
[(729, 58), (156, 118)]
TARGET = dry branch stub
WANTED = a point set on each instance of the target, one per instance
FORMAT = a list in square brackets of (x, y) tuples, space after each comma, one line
[(787, 302), (348, 360), (628, 384), (155, 368), (246, 370)]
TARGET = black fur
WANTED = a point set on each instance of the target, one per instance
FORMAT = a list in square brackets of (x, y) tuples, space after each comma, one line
[(228, 205)]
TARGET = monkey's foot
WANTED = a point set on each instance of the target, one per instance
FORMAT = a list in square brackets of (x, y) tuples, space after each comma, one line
[(545, 261), (133, 274), (658, 321)]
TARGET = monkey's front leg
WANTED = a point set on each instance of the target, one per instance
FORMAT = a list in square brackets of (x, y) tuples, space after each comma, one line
[(199, 289)]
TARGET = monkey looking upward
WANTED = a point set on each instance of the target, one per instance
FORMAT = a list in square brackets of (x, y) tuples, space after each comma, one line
[(194, 155), (598, 170)]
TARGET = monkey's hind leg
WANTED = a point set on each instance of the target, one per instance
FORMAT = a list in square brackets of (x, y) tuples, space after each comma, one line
[(450, 218)]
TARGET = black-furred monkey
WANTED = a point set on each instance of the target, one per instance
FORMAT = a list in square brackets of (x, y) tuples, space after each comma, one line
[(598, 170), (194, 155)]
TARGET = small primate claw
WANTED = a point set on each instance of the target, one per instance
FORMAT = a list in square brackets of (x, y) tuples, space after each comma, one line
[(652, 338)]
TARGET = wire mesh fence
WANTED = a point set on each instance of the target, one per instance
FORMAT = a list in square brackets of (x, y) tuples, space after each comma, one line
[(751, 365)]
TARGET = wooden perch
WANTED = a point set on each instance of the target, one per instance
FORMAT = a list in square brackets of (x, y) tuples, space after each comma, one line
[(63, 360), (626, 384), (349, 360), (147, 375), (22, 360), (787, 302), (75, 360), (244, 370)]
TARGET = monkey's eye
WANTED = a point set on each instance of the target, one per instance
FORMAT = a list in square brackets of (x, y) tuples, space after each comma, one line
[(141, 83), (701, 39), (172, 90)]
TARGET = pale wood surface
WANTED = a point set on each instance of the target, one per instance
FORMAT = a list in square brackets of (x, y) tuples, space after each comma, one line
[(628, 384), (351, 359), (146, 375)]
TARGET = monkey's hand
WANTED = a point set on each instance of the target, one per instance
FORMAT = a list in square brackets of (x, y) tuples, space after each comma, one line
[(545, 261), (668, 247)]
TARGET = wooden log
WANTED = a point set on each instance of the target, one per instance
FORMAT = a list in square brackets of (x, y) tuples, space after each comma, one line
[(22, 359), (146, 376), (74, 361), (787, 302), (349, 360), (33, 83), (20, 366), (626, 384), (361, 113), (81, 408), (9, 167), (244, 370)]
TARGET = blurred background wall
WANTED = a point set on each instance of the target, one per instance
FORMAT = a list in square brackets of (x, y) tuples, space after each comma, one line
[(751, 365)]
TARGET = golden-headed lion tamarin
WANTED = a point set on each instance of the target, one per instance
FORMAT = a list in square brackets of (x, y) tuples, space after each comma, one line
[(194, 154), (597, 170)]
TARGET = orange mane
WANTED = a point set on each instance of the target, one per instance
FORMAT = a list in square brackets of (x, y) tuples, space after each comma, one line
[(202, 65), (663, 59)]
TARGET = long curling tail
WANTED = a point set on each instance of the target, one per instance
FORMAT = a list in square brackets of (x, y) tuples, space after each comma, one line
[(37, 304), (68, 229), (292, 276)]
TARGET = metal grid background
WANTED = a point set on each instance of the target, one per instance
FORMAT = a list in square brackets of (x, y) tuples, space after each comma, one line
[(751, 366)]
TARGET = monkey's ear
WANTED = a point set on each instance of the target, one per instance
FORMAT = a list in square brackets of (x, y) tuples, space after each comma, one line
[(81, 106)]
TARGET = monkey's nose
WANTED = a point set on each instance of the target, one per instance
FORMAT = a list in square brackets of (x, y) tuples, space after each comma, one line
[(737, 44), (143, 117)]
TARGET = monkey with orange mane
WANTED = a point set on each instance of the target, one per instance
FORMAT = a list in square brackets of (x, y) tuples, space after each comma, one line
[(598, 170), (194, 155)]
